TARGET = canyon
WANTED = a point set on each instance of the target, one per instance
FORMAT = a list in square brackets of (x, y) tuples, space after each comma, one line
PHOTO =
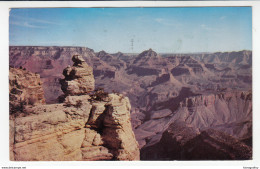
[(82, 128), (183, 106)]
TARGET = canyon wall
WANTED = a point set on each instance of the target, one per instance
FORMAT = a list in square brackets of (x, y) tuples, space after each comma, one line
[(204, 127), (203, 95), (81, 128)]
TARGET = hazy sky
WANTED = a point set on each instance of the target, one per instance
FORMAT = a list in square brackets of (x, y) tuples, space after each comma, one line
[(205, 29)]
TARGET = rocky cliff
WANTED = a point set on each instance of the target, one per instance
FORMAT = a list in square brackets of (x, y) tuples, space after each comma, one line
[(49, 62), (25, 88), (203, 90), (202, 127), (81, 128), (184, 142)]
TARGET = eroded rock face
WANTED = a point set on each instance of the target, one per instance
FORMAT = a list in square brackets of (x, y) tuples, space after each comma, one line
[(79, 129), (118, 134), (49, 62), (79, 78), (69, 131), (161, 89), (25, 88), (218, 126), (183, 142)]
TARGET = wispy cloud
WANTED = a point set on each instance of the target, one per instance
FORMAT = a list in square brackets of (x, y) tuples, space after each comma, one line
[(26, 24), (34, 20), (206, 27), (222, 17), (159, 20), (166, 22)]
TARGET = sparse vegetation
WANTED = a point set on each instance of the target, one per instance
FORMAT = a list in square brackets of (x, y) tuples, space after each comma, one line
[(78, 104), (18, 108), (99, 95), (115, 92)]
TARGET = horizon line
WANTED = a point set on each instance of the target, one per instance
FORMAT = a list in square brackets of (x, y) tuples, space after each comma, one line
[(130, 52)]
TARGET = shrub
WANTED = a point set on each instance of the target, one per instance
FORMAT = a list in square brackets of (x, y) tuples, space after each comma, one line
[(17, 108), (78, 104), (99, 95), (115, 92)]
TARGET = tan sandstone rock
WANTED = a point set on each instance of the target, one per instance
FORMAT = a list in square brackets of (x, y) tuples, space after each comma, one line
[(80, 128), (79, 78), (117, 131), (25, 88)]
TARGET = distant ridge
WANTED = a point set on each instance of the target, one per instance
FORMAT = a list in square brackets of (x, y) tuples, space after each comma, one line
[(135, 53)]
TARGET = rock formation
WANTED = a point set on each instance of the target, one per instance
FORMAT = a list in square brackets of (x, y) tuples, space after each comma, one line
[(204, 90), (81, 128), (183, 142), (79, 78), (25, 88), (210, 124)]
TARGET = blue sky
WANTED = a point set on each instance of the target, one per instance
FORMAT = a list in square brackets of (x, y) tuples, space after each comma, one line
[(178, 30)]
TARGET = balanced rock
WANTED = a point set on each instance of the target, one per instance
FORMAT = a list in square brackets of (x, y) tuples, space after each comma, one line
[(79, 78), (82, 128)]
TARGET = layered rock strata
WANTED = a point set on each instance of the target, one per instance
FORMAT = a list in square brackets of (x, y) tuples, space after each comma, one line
[(183, 142), (204, 90), (79, 129), (218, 126)]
